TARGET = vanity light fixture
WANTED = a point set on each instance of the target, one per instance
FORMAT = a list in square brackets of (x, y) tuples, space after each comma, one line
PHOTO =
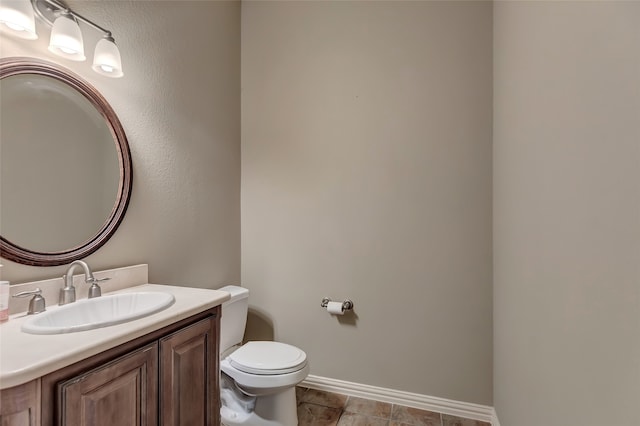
[(66, 38), (106, 59), (18, 18)]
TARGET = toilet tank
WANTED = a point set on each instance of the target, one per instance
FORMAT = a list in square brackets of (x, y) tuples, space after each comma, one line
[(234, 317)]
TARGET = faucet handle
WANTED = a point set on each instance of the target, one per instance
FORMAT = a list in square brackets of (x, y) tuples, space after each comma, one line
[(37, 304), (97, 280), (95, 290)]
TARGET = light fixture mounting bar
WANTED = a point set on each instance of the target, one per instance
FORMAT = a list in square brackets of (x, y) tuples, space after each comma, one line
[(64, 8)]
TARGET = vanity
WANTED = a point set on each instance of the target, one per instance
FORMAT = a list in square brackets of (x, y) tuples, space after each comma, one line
[(157, 370)]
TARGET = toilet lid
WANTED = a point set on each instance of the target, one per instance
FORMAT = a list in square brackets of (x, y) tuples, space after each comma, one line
[(268, 358)]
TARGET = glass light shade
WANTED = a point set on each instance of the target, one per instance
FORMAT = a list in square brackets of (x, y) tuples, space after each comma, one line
[(106, 59), (17, 18), (66, 39)]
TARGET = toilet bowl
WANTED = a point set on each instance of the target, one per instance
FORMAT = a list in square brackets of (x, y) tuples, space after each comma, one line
[(258, 378)]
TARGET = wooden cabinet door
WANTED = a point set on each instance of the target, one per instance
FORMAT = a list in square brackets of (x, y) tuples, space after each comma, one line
[(20, 405), (122, 392), (189, 376)]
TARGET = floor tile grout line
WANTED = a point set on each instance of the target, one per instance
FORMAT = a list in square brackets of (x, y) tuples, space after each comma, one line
[(348, 398)]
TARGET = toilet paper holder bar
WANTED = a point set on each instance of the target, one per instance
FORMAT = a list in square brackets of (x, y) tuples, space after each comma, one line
[(347, 304)]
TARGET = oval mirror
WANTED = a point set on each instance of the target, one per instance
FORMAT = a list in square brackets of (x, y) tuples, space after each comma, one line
[(65, 165)]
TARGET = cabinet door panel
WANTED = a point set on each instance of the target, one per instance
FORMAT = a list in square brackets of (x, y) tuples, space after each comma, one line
[(20, 405), (122, 392), (188, 375)]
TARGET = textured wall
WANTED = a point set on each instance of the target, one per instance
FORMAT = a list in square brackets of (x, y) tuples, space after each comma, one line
[(366, 173), (180, 106), (567, 213)]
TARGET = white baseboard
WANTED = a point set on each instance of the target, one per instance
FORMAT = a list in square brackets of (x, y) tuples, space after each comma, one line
[(467, 410)]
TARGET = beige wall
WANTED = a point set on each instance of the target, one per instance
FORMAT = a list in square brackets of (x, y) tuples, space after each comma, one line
[(366, 173), (180, 107), (567, 213)]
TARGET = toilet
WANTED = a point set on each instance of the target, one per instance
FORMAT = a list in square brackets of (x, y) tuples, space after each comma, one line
[(258, 379)]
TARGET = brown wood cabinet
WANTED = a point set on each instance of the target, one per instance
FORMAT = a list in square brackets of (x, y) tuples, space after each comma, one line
[(20, 405), (188, 376), (122, 392), (168, 377)]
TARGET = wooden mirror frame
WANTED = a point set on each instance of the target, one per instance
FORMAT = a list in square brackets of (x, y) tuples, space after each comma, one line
[(25, 256)]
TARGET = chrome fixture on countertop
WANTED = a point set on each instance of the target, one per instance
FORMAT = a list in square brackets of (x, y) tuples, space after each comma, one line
[(37, 303), (68, 292)]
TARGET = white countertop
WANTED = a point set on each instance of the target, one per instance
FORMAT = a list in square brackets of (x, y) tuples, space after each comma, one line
[(24, 357)]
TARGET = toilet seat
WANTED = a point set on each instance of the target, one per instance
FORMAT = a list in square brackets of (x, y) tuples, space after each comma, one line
[(267, 358), (273, 366), (262, 384)]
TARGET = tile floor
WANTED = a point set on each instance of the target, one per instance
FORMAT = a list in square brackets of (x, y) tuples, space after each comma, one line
[(318, 408)]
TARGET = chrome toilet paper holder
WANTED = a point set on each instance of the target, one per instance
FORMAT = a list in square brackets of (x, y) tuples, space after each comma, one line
[(347, 304)]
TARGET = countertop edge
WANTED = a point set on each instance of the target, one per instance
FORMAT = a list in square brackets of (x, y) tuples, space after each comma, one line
[(23, 369)]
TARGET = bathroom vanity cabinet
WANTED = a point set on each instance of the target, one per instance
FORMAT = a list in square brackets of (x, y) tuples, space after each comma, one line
[(122, 392), (20, 405), (167, 377)]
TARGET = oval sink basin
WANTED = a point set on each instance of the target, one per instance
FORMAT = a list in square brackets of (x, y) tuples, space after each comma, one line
[(87, 314)]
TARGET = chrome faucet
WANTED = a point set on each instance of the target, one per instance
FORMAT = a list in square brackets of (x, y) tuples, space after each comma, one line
[(68, 293)]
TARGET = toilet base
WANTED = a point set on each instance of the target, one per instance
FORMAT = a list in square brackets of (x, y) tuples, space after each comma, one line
[(278, 409)]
